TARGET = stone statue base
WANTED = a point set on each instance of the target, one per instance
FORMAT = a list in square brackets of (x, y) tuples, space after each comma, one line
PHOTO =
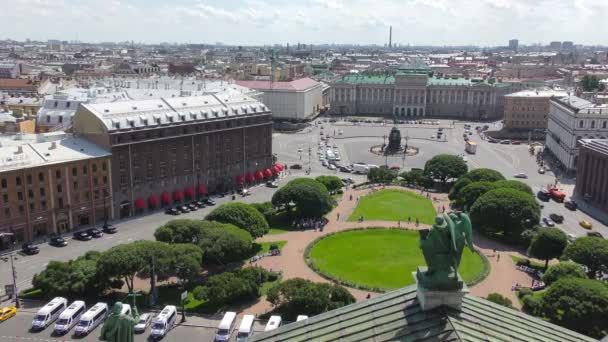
[(430, 299)]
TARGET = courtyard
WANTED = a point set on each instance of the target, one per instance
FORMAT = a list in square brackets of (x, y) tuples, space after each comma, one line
[(394, 205)]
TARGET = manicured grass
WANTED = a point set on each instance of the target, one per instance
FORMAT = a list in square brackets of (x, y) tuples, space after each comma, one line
[(379, 258), (394, 205), (265, 246)]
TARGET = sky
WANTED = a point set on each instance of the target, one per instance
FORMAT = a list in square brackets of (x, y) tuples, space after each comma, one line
[(260, 22)]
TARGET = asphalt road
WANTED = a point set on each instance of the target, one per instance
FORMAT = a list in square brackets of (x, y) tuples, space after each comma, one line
[(354, 144)]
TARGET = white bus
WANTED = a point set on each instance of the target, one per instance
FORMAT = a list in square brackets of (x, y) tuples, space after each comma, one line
[(245, 329), (91, 319), (301, 318), (273, 323), (49, 313), (330, 155), (68, 318), (224, 330), (164, 322)]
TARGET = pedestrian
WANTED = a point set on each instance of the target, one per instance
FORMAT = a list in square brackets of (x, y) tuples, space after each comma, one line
[(409, 219), (417, 222), (351, 197), (498, 257), (368, 296), (399, 224), (338, 216)]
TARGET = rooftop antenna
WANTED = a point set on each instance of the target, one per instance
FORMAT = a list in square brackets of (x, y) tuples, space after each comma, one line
[(390, 37)]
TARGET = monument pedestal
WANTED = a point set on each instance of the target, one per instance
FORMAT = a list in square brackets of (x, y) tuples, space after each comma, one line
[(430, 299)]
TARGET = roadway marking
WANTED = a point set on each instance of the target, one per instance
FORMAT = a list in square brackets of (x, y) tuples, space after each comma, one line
[(30, 338)]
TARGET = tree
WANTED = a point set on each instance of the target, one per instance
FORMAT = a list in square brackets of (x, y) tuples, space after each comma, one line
[(299, 296), (76, 277), (311, 198), (578, 304), (513, 184), (229, 287), (187, 259), (414, 176), (548, 243), (241, 215), (565, 269), (381, 175), (500, 300), (332, 183), (590, 83), (266, 209), (180, 231), (505, 212), (476, 175), (470, 193), (445, 167), (589, 251), (123, 262)]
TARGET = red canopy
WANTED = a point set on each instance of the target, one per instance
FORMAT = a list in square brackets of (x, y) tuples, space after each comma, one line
[(280, 166), (238, 179), (201, 189), (189, 192), (275, 170), (259, 175), (267, 173), (249, 178), (152, 201), (178, 195), (165, 198), (140, 203)]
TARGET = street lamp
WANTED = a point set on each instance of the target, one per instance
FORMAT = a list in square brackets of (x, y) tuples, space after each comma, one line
[(14, 271), (105, 209)]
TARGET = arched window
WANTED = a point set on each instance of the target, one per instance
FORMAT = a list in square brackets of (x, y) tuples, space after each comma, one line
[(592, 123), (580, 124), (604, 124)]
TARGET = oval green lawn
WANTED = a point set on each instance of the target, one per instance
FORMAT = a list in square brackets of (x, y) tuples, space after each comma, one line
[(394, 205), (379, 258)]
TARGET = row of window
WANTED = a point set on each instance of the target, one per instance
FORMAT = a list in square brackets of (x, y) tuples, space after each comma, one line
[(43, 205), (581, 124), (29, 177)]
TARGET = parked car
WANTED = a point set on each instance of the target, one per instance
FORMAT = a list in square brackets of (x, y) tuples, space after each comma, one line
[(143, 323), (183, 209), (541, 170), (108, 228), (209, 201), (515, 142), (199, 204), (94, 232), (324, 162), (331, 166), (300, 150), (505, 142), (521, 175), (571, 204), (548, 222), (296, 167), (82, 236), (172, 211), (572, 237), (585, 224), (29, 248), (58, 241), (7, 312), (595, 234), (192, 207), (557, 218), (347, 169)]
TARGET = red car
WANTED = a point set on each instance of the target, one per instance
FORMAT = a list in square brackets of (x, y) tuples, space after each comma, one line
[(515, 142)]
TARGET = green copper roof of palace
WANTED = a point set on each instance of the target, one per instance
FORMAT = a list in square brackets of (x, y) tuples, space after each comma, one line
[(389, 79), (415, 67), (397, 316), (356, 79)]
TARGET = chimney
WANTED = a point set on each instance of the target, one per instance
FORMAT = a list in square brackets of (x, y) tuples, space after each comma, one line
[(53, 145), (19, 150)]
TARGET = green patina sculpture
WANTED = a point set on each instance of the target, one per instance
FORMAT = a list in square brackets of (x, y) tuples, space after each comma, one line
[(442, 248), (118, 327)]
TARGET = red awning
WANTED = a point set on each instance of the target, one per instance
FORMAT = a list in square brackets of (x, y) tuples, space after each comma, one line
[(152, 201), (238, 179), (249, 178), (140, 203), (280, 166), (267, 173), (201, 189), (259, 175), (165, 197), (189, 192), (178, 195), (275, 170)]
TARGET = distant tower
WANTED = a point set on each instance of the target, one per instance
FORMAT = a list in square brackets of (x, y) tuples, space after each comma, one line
[(390, 37)]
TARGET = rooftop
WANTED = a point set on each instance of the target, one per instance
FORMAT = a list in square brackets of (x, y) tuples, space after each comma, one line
[(539, 93), (397, 315), (297, 85), (597, 145), (31, 150)]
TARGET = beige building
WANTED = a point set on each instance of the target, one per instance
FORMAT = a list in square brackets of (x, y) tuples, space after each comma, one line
[(529, 109)]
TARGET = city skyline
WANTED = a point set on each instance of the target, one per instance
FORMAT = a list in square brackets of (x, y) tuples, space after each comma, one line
[(262, 22)]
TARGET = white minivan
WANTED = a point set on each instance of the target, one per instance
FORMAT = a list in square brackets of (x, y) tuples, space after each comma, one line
[(69, 317), (301, 318), (224, 330), (245, 329), (164, 322), (49, 313), (91, 319), (273, 323)]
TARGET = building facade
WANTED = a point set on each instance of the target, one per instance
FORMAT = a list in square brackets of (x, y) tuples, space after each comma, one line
[(529, 109), (51, 184), (299, 100), (9, 70), (572, 119), (591, 173), (414, 92), (165, 151)]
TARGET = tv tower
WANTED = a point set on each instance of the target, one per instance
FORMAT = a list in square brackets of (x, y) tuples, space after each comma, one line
[(390, 37)]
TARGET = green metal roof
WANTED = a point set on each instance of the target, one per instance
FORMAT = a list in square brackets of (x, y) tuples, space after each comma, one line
[(460, 81), (416, 67), (357, 79), (397, 316)]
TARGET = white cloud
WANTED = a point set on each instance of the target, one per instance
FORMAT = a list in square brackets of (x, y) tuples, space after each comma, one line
[(439, 22)]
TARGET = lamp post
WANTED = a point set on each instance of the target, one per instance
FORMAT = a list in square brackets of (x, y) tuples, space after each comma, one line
[(14, 271), (105, 209)]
